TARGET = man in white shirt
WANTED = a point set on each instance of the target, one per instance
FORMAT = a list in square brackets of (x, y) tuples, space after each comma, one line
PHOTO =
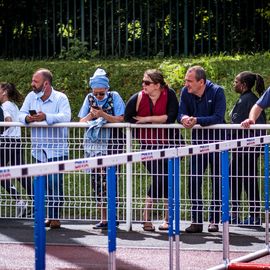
[(44, 104)]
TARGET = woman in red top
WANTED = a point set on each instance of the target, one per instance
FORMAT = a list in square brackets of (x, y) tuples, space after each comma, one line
[(156, 103)]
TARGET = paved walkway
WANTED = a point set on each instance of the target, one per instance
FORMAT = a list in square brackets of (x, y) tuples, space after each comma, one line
[(77, 246)]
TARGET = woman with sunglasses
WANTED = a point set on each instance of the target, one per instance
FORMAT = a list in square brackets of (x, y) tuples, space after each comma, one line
[(99, 107), (156, 103)]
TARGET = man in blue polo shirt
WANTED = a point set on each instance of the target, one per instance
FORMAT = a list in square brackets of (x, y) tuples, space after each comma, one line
[(202, 102)]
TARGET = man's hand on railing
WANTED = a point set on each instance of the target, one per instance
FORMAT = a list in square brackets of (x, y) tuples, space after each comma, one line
[(246, 123), (189, 121)]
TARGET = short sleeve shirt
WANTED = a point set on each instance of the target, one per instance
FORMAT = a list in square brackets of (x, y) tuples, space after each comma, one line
[(11, 110), (118, 103), (264, 100)]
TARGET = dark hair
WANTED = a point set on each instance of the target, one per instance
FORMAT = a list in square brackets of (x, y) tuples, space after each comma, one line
[(47, 75), (156, 76), (12, 93), (200, 73), (249, 78)]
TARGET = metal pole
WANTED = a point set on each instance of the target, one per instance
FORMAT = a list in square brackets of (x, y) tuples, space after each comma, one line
[(61, 22), (225, 219), (105, 28), (90, 25), (225, 204), (112, 29), (225, 215), (266, 192), (98, 25), (186, 28), (252, 256), (177, 29), (129, 182), (111, 191), (54, 27), (82, 22), (177, 211), (171, 208), (39, 229)]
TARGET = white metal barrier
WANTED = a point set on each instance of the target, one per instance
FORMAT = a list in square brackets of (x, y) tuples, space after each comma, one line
[(81, 199), (166, 153)]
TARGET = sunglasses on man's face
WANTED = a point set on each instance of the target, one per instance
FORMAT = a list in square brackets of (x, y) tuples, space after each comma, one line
[(102, 94), (146, 82)]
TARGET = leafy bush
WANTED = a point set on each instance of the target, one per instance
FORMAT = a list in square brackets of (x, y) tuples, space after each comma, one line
[(77, 50)]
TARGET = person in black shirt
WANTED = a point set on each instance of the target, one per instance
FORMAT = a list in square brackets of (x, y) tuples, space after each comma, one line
[(244, 163), (1, 119)]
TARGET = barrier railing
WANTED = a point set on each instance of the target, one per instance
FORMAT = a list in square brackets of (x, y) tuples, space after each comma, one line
[(171, 154), (80, 200), (237, 263)]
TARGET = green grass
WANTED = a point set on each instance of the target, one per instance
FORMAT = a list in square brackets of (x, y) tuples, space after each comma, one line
[(72, 77)]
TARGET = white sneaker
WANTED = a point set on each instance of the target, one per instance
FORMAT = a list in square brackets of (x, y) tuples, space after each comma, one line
[(21, 207)]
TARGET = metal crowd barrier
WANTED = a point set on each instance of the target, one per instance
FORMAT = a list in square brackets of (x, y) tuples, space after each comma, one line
[(173, 155), (133, 180)]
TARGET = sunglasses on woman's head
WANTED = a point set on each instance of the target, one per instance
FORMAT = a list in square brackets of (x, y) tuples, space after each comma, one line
[(102, 94), (146, 82)]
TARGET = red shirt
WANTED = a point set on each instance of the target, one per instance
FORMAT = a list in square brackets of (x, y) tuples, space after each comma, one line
[(147, 108)]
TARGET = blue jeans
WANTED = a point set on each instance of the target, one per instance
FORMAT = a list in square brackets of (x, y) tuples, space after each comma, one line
[(198, 166), (54, 189)]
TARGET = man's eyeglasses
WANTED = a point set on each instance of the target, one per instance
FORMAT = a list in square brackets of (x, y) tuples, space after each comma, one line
[(147, 82), (102, 94)]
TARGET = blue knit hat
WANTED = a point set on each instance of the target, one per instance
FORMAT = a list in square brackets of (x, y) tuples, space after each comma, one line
[(99, 79)]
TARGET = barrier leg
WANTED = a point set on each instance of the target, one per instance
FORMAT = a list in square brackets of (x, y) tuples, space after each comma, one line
[(266, 192), (129, 182), (225, 204), (171, 210), (111, 191), (39, 229), (177, 211)]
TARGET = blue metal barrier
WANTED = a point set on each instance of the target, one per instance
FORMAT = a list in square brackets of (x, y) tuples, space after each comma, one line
[(174, 209), (177, 195), (266, 176), (39, 230), (266, 193), (170, 195), (225, 204), (177, 210), (111, 191), (173, 194), (171, 208), (225, 185)]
